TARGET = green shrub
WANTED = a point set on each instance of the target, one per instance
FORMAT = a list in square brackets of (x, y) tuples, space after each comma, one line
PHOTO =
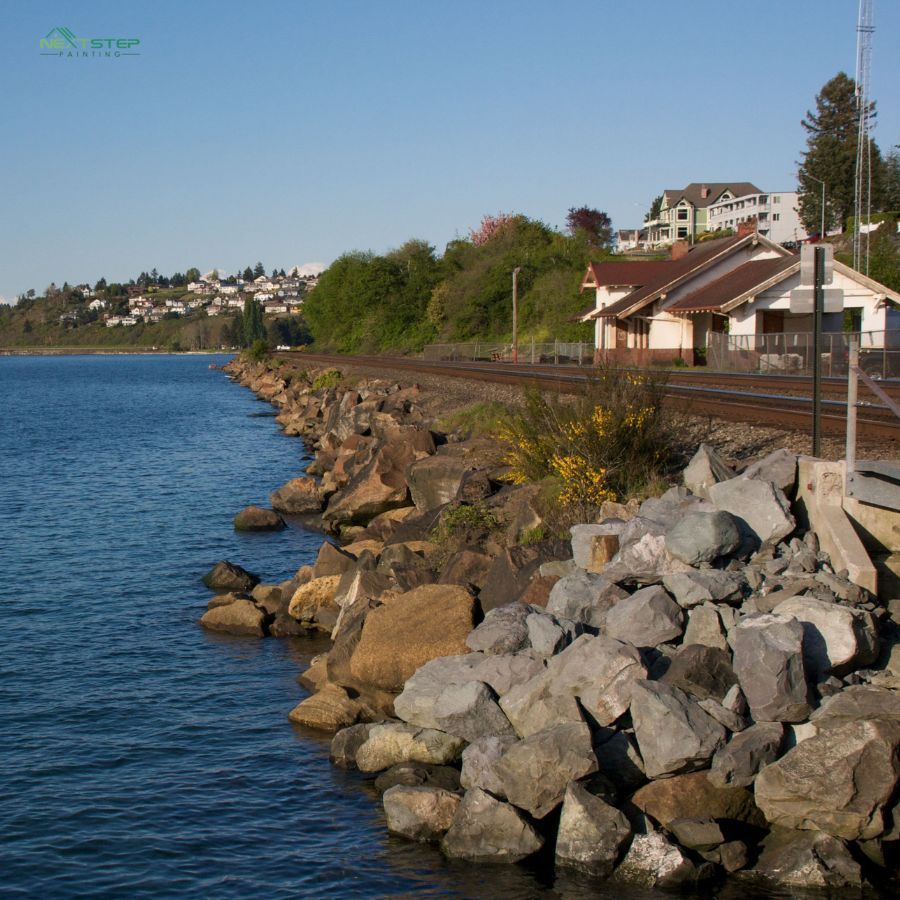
[(607, 443), (460, 518), (258, 351), (328, 379)]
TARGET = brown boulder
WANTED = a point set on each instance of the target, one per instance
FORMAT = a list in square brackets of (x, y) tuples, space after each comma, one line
[(415, 627), (240, 617), (311, 598), (331, 709), (257, 518), (381, 484), (226, 576), (298, 497), (693, 796)]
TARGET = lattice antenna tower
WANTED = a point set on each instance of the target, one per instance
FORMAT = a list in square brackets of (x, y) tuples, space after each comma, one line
[(862, 190)]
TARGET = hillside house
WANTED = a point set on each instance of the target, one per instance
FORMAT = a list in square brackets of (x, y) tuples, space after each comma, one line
[(683, 215)]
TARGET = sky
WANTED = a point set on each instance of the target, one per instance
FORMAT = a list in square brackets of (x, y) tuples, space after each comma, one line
[(292, 132)]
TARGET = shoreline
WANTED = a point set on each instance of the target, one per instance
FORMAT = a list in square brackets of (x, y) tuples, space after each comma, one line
[(98, 351), (386, 674)]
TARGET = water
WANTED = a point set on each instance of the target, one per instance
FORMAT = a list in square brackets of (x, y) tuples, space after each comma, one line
[(139, 754)]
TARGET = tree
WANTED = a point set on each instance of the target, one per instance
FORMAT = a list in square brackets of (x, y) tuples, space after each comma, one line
[(247, 274), (100, 285), (490, 227), (192, 274), (27, 327), (259, 269), (274, 273), (890, 180), (655, 208), (252, 326), (830, 156), (593, 224)]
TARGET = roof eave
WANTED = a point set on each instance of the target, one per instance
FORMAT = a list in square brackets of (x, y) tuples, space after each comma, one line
[(771, 281)]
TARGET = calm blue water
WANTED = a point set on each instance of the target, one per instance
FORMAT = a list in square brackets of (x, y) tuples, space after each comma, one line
[(139, 754)]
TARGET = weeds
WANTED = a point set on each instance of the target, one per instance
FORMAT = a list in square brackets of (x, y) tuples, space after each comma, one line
[(476, 420)]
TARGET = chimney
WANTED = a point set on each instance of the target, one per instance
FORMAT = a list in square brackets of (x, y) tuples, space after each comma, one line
[(679, 250), (704, 191), (748, 226)]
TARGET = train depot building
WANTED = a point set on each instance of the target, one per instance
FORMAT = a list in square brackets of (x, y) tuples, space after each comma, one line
[(657, 311)]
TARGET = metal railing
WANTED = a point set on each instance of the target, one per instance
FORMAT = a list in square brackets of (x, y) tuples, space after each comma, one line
[(792, 353), (532, 352)]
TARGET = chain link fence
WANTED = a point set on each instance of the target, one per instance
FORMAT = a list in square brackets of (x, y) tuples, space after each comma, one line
[(792, 354), (554, 352)]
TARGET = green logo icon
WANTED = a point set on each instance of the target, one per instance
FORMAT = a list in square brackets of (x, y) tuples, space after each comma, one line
[(64, 43)]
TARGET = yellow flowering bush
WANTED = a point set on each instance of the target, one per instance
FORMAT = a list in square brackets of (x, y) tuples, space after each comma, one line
[(599, 446)]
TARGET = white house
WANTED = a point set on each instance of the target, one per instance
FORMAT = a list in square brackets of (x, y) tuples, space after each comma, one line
[(774, 214), (650, 311), (97, 304)]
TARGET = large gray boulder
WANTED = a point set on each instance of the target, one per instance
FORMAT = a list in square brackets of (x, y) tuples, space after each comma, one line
[(705, 469), (479, 764), (435, 481), (503, 630), (419, 813), (740, 760), (547, 634), (643, 557), (470, 711), (503, 673), (414, 774), (759, 505), (347, 742), (487, 830), (645, 619), (593, 546), (836, 638), (393, 742), (702, 537), (768, 661), (592, 834), (841, 781), (703, 586), (536, 704), (534, 771), (779, 467), (600, 671), (653, 861), (808, 859), (705, 627), (857, 702), (703, 672), (584, 597), (673, 732), (415, 704)]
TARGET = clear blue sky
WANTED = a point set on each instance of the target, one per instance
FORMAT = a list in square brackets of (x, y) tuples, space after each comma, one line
[(293, 131)]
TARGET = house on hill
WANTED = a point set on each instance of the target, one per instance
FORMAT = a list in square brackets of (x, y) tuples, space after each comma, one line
[(683, 215), (659, 310)]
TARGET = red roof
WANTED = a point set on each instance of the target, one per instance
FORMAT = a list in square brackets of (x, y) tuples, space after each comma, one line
[(675, 269), (606, 274), (713, 296)]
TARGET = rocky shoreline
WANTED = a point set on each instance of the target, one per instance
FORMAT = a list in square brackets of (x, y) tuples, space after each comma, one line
[(680, 692)]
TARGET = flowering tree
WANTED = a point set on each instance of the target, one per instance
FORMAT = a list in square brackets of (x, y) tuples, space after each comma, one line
[(490, 226)]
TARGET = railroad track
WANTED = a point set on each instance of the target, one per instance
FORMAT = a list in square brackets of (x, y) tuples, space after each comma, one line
[(781, 401)]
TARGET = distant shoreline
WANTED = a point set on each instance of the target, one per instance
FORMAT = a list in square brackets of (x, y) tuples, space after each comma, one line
[(104, 351)]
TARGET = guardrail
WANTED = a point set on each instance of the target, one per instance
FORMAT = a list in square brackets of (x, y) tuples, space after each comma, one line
[(556, 352)]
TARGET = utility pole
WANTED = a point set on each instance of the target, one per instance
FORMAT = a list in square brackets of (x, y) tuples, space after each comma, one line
[(515, 335)]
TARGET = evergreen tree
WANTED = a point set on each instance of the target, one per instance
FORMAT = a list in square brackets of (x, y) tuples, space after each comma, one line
[(252, 325), (259, 269), (830, 156), (247, 274)]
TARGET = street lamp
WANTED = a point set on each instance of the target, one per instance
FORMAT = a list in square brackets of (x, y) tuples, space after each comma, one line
[(515, 335), (822, 230)]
